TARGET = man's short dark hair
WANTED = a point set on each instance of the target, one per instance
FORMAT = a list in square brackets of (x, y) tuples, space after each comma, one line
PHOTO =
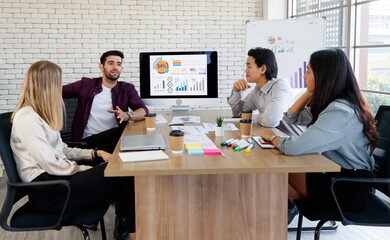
[(264, 56), (110, 53)]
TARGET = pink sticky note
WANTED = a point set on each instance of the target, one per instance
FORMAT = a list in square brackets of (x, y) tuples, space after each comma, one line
[(211, 151)]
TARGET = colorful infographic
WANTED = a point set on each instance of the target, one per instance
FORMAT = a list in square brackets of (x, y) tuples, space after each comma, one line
[(178, 75), (280, 45), (289, 40)]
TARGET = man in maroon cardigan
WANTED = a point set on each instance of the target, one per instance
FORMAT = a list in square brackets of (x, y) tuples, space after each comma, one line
[(102, 108), (102, 114)]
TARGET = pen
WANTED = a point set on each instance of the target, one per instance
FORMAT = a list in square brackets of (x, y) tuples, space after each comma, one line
[(249, 148), (227, 141), (223, 155)]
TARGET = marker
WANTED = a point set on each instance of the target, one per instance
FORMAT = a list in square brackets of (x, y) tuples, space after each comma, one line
[(249, 148), (241, 145), (236, 143), (231, 143), (227, 141)]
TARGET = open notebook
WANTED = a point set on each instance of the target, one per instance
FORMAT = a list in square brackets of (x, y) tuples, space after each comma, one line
[(263, 143)]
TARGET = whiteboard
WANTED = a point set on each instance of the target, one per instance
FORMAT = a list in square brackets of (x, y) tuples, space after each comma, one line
[(292, 41)]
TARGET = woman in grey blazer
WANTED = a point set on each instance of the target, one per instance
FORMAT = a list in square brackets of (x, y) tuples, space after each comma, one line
[(340, 126)]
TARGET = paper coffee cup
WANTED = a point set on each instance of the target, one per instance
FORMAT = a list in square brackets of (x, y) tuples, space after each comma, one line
[(247, 114), (177, 141), (246, 127), (150, 121)]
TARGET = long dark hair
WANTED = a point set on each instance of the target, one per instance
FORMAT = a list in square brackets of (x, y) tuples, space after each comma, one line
[(334, 79)]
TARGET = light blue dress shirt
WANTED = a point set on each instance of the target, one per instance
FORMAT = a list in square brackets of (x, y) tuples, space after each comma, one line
[(274, 98), (337, 134)]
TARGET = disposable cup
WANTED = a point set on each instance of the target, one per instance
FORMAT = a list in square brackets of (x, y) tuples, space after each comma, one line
[(177, 141), (246, 114), (246, 127), (150, 121)]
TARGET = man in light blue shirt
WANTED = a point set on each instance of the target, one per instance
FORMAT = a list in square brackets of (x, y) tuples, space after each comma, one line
[(271, 96)]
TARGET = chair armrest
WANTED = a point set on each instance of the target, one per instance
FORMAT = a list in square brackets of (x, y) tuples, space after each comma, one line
[(76, 144), (352, 179), (11, 198), (365, 180)]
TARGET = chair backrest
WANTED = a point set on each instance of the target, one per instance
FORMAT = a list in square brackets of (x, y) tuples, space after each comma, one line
[(382, 151), (5, 147), (70, 110)]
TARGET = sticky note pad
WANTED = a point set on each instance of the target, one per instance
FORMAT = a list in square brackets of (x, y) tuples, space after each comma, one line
[(209, 147), (211, 151), (193, 144), (193, 147), (195, 152), (207, 144)]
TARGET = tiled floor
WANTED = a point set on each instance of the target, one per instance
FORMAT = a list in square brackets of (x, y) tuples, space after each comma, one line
[(342, 232)]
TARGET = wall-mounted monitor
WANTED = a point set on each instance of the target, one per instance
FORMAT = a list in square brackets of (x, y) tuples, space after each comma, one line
[(179, 79)]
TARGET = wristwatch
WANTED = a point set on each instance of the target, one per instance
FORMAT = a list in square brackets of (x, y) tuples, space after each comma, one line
[(95, 152), (130, 115)]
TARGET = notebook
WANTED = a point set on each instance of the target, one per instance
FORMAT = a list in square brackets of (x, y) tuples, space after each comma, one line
[(142, 142), (263, 143), (142, 156)]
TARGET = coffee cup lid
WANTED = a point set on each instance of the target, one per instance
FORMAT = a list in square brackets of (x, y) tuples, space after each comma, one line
[(176, 133), (247, 111), (245, 120), (150, 115)]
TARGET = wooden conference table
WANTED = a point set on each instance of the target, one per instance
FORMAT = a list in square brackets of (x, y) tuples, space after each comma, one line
[(239, 196)]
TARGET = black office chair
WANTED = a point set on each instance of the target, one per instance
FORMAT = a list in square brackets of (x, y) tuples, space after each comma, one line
[(376, 212), (27, 219), (70, 109)]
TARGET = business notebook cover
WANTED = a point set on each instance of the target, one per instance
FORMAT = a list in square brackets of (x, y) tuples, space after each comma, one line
[(262, 143), (142, 142)]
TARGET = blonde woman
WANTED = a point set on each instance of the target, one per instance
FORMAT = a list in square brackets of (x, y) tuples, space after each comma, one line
[(41, 155)]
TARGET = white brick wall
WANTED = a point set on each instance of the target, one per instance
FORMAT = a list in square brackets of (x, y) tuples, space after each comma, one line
[(74, 33)]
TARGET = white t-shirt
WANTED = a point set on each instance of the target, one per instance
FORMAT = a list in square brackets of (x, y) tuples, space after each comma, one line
[(99, 119)]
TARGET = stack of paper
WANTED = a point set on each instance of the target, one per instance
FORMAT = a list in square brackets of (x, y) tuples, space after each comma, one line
[(186, 119), (227, 127), (142, 156), (190, 129)]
